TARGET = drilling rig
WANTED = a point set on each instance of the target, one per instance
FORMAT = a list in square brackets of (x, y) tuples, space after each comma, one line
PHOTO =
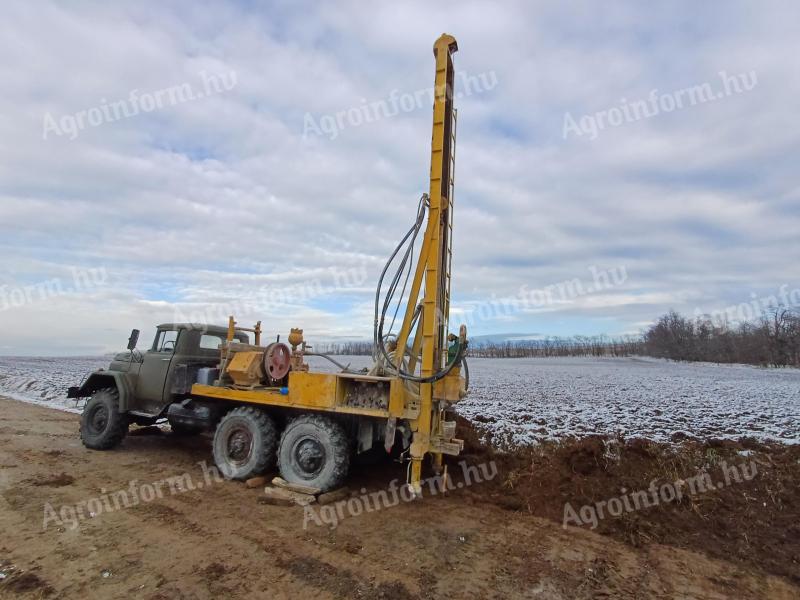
[(265, 404)]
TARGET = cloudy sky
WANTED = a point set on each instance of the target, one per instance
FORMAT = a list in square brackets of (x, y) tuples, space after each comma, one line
[(597, 142)]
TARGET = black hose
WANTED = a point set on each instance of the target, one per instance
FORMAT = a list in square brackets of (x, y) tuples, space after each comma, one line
[(326, 357), (405, 283), (414, 230), (378, 336), (408, 256), (432, 378)]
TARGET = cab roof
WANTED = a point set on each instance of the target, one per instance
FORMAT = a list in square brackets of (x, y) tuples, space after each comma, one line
[(219, 329)]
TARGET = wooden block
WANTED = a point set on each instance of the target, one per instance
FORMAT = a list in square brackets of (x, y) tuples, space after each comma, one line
[(333, 496), (295, 487), (283, 497), (255, 482), (302, 499), (272, 497)]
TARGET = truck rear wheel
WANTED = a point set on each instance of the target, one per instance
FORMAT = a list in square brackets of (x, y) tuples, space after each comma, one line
[(102, 425), (245, 442), (314, 451)]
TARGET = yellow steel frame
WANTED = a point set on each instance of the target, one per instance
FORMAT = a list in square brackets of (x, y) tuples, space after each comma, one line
[(312, 391)]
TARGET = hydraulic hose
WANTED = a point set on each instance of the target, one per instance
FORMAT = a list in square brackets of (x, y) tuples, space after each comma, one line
[(380, 315), (346, 369), (413, 231)]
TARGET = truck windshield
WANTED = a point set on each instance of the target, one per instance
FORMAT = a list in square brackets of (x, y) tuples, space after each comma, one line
[(165, 340)]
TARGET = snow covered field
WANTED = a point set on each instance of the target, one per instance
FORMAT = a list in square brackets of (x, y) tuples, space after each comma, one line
[(521, 401), (524, 400), (45, 380)]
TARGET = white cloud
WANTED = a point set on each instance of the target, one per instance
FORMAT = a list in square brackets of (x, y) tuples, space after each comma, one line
[(205, 202)]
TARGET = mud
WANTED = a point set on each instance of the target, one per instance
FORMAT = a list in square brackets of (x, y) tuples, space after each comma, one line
[(755, 522)]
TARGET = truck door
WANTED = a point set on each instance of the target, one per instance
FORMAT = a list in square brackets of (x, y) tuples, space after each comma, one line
[(153, 374)]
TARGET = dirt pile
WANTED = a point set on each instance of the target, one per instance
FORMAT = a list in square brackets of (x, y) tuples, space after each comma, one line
[(729, 499)]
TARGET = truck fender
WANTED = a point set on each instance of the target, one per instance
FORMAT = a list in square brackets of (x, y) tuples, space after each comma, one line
[(103, 379)]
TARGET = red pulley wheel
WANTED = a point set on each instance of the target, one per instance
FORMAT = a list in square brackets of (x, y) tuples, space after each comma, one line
[(277, 360)]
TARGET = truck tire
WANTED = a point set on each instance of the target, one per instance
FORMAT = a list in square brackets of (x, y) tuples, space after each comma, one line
[(314, 451), (244, 443), (102, 425)]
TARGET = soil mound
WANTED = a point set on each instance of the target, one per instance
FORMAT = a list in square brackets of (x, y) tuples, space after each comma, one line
[(729, 499)]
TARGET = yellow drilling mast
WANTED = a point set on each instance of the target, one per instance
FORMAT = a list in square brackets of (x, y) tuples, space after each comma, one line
[(435, 260), (403, 399)]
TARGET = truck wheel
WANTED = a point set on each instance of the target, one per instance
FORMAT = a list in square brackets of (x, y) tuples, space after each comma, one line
[(102, 425), (314, 451), (245, 443)]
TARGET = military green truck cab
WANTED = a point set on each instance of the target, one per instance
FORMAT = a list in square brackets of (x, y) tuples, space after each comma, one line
[(143, 386)]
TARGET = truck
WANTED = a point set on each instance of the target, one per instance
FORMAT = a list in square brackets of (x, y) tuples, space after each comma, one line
[(268, 408)]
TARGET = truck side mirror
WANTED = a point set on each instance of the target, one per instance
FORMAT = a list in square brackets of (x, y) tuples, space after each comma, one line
[(133, 339)]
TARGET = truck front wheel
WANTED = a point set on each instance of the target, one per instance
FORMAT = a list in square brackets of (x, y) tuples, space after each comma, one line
[(102, 425), (245, 443)]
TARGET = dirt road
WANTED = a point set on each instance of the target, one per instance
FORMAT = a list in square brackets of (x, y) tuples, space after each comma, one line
[(218, 540)]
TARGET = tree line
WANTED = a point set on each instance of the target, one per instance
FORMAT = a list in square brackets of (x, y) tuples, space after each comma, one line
[(354, 348), (573, 346), (771, 340), (557, 346)]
